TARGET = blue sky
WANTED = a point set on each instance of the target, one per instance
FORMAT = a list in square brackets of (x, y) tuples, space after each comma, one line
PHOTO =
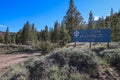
[(14, 13)]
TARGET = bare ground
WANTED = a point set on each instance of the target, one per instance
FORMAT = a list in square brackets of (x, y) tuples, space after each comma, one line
[(13, 59)]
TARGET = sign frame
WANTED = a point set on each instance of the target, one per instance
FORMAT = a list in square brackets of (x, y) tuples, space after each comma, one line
[(93, 35)]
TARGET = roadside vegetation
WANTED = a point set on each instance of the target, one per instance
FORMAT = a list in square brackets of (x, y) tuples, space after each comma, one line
[(69, 64)]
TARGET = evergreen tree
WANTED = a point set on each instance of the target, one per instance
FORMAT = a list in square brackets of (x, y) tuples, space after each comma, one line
[(107, 22), (111, 25), (1, 41), (39, 35), (42, 35), (73, 18), (56, 32), (13, 38), (19, 37), (47, 36), (98, 23), (25, 33), (83, 25), (52, 35), (33, 35), (102, 23), (91, 21), (113, 22), (64, 36), (114, 27), (118, 26), (6, 36)]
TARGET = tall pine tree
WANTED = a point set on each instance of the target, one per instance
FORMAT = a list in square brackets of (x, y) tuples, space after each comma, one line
[(6, 36), (25, 33), (73, 18), (45, 36), (19, 37), (56, 32), (91, 21), (33, 35), (64, 36)]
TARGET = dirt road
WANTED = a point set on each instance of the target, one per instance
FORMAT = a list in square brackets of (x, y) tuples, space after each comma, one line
[(12, 59)]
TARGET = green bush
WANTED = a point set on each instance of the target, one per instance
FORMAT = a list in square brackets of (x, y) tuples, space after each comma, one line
[(97, 50), (112, 56), (46, 47), (78, 76), (72, 66), (31, 62), (64, 64), (57, 74), (16, 73), (85, 61)]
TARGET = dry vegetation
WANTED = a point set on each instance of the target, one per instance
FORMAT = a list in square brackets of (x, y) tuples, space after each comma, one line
[(71, 63)]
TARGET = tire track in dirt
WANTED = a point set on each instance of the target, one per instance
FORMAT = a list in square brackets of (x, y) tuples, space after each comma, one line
[(13, 59)]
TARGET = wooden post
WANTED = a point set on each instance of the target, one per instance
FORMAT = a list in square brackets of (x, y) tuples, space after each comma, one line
[(75, 44), (108, 45), (90, 45)]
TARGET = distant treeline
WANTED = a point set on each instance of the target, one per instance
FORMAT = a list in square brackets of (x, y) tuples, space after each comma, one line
[(61, 33)]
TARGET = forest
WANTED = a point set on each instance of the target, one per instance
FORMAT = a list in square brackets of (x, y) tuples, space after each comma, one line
[(62, 32)]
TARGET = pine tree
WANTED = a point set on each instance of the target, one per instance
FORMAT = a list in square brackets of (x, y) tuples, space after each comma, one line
[(98, 23), (91, 21), (47, 36), (103, 22), (111, 25), (56, 32), (107, 22), (33, 35), (42, 35), (73, 18), (52, 35), (13, 38), (113, 22), (118, 26), (25, 33), (64, 36), (6, 36), (1, 41), (19, 37)]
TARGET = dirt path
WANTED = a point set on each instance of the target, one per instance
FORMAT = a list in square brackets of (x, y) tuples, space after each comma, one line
[(12, 59)]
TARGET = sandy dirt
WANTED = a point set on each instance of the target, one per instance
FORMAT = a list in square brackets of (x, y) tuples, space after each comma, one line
[(13, 59)]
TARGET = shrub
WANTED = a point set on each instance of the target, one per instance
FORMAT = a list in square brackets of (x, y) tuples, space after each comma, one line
[(31, 62), (98, 49), (16, 73), (64, 64), (85, 61), (78, 76), (46, 47), (57, 74), (38, 71), (112, 57)]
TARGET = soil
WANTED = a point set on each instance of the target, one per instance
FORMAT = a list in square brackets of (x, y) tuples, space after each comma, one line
[(13, 59)]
